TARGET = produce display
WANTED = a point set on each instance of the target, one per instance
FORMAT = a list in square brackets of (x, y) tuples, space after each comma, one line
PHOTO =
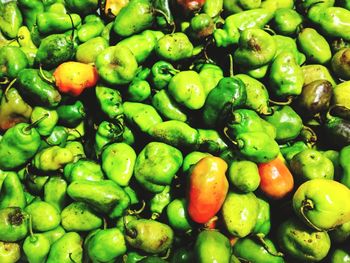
[(207, 131)]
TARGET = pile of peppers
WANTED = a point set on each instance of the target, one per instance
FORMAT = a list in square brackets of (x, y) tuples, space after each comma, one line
[(208, 131)]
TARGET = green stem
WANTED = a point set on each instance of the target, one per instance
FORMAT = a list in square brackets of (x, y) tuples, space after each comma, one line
[(308, 205), (261, 239), (42, 74), (8, 88), (282, 103), (32, 125), (228, 137)]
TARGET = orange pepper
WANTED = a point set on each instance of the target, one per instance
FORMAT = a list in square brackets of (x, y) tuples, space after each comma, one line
[(207, 189), (276, 181), (74, 77)]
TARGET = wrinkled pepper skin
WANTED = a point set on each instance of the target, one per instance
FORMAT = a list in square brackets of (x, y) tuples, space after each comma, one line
[(109, 198), (240, 213), (301, 242), (175, 133), (212, 246), (228, 94), (207, 188), (78, 216), (118, 161), (14, 224), (32, 86), (142, 14), (110, 101), (18, 145), (12, 61), (318, 203), (156, 166), (106, 245), (66, 248), (252, 251), (10, 19), (148, 235), (13, 109), (111, 57)]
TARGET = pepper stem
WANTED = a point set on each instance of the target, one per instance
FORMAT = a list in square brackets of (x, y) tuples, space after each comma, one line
[(8, 88), (268, 29), (32, 125), (172, 24), (167, 254), (231, 65), (42, 74), (260, 237), (282, 103), (235, 143), (70, 257), (5, 81), (104, 223), (130, 232), (139, 211), (308, 205), (309, 135), (30, 226)]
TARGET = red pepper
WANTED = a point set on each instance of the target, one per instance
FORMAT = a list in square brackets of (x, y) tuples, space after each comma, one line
[(191, 5), (207, 189), (74, 77), (276, 181)]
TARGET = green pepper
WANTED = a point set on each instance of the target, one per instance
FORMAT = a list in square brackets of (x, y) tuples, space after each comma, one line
[(178, 216), (54, 234), (338, 94), (287, 122), (12, 194), (201, 27), (318, 202), (341, 233), (106, 245), (210, 75), (103, 196), (176, 133), (9, 252), (107, 133), (174, 47), (10, 19), (289, 151), (212, 246), (30, 10), (110, 101), (316, 72), (228, 94), (27, 46), (13, 109), (309, 164), (35, 183), (78, 216), (66, 249), (340, 255), (70, 115), (132, 195), (44, 216), (213, 8), (287, 21), (118, 160), (159, 201), (139, 90), (286, 77), (57, 137), (257, 94), (135, 17), (92, 27), (167, 107), (83, 170), (57, 7), (33, 86), (240, 213), (340, 63), (51, 23), (18, 145), (126, 63), (186, 88), (12, 60), (148, 38), (55, 192), (161, 74), (332, 21), (274, 5), (148, 235), (256, 48), (14, 224), (211, 141), (257, 146), (263, 223), (242, 121), (254, 251), (141, 115), (301, 242), (36, 247), (182, 255), (284, 43), (343, 157), (54, 50), (87, 52), (82, 7), (191, 159), (52, 159), (244, 176), (314, 46), (339, 129), (46, 126), (156, 166), (165, 17)]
